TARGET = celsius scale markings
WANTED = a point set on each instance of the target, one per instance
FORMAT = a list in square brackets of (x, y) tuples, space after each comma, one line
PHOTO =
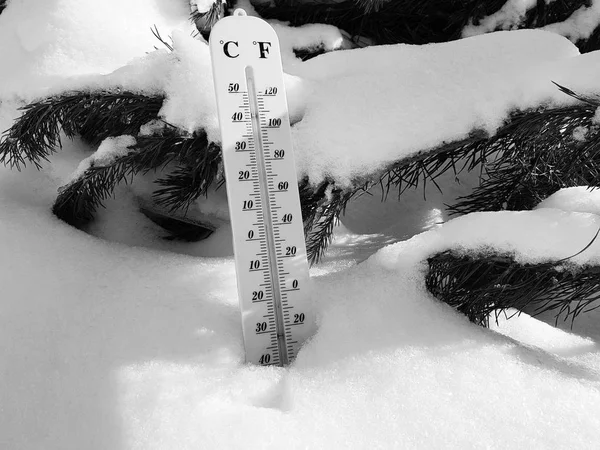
[(271, 265)]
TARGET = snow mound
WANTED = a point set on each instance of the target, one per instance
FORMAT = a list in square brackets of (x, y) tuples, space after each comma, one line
[(409, 98), (578, 199), (109, 150)]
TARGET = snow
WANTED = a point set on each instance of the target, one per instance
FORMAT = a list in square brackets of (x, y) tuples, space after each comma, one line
[(464, 87), (581, 24), (116, 339), (411, 98), (524, 235), (123, 347), (577, 199), (580, 133), (416, 210), (508, 17), (428, 94), (44, 41)]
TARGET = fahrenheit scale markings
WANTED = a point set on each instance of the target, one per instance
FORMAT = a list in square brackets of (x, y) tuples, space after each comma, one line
[(264, 204)]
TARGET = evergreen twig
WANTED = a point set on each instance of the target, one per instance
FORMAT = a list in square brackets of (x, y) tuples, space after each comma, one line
[(417, 21), (321, 218), (479, 286), (78, 201), (537, 153), (157, 35), (204, 21), (93, 115)]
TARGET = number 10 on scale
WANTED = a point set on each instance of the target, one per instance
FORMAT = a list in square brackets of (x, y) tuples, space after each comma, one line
[(264, 205)]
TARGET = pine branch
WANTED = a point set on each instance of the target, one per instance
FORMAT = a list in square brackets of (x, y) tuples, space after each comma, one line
[(534, 154), (323, 205), (178, 227), (478, 286), (94, 116), (204, 21), (157, 35), (190, 181), (590, 99), (537, 153), (78, 201)]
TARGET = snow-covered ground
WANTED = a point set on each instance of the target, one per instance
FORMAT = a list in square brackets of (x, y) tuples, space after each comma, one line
[(137, 345)]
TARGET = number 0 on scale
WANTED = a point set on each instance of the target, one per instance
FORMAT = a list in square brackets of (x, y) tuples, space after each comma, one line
[(264, 205)]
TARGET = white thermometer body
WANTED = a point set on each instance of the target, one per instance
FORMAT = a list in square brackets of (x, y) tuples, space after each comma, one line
[(264, 203)]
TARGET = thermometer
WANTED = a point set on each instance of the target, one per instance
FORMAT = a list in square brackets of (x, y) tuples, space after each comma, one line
[(264, 203)]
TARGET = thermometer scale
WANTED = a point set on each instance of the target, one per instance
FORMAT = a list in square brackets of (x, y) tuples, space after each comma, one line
[(264, 203)]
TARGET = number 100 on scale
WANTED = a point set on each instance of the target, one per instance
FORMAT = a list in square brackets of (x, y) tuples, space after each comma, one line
[(264, 205)]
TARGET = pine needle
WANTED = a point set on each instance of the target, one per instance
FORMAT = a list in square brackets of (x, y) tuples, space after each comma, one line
[(416, 21)]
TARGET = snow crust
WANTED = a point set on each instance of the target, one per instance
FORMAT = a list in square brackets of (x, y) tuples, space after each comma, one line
[(410, 98)]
